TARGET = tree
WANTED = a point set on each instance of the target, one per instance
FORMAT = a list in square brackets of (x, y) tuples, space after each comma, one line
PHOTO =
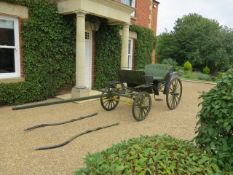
[(165, 47), (200, 40)]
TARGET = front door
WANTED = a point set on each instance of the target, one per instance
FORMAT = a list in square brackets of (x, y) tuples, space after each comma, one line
[(88, 59)]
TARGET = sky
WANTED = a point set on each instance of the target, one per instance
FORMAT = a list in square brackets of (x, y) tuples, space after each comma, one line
[(170, 10)]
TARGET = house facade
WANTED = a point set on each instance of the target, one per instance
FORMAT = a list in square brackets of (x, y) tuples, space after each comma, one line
[(88, 15)]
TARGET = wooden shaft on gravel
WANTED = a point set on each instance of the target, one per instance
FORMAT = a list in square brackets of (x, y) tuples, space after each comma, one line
[(74, 137), (60, 123), (34, 105)]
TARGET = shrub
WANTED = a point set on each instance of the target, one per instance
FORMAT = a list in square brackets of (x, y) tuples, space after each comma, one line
[(201, 76), (215, 125), (187, 66), (169, 61), (161, 155), (206, 70)]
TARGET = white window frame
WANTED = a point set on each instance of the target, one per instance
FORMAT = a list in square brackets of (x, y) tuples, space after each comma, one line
[(131, 3), (130, 54), (16, 48)]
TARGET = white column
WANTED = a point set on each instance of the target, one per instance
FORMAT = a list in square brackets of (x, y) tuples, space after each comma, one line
[(80, 50), (125, 43)]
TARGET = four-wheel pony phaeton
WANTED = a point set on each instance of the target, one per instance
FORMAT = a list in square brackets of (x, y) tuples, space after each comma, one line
[(139, 85)]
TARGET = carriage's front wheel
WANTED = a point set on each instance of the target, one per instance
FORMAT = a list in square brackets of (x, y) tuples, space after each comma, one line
[(141, 106), (174, 93), (109, 101)]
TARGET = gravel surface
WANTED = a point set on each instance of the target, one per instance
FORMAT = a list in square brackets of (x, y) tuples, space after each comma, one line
[(17, 155)]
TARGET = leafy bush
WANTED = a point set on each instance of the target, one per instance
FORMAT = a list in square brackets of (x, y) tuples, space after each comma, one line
[(206, 70), (161, 155), (169, 61), (188, 66), (215, 125), (48, 54), (206, 77)]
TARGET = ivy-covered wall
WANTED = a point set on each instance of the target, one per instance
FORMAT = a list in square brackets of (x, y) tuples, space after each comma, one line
[(108, 54), (144, 46), (48, 54), (108, 51)]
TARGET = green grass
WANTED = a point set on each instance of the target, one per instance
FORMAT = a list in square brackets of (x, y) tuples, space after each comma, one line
[(190, 75)]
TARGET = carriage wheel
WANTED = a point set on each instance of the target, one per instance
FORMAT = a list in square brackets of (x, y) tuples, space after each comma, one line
[(174, 93), (109, 101), (141, 106)]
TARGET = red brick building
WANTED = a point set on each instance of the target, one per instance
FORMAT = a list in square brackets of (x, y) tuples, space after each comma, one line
[(115, 12), (146, 12)]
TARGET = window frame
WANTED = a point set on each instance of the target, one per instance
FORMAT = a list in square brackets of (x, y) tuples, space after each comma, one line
[(130, 54), (16, 48), (131, 3)]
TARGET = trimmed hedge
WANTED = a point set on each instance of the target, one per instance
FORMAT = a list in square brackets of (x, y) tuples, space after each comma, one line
[(215, 125), (188, 66), (161, 155), (48, 54)]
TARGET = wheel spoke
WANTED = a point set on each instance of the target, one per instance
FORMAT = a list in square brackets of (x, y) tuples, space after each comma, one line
[(141, 106), (173, 96)]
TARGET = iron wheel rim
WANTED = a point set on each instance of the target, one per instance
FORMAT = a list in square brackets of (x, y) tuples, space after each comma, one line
[(174, 93), (109, 101), (141, 106)]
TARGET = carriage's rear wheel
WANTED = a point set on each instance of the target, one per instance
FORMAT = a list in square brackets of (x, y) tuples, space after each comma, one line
[(109, 101), (174, 93), (141, 106)]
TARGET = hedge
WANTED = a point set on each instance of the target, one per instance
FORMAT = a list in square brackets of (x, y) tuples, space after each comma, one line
[(146, 155), (215, 125), (48, 54)]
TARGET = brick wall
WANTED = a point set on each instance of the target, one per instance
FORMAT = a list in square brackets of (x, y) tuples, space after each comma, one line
[(143, 12), (154, 17), (146, 12)]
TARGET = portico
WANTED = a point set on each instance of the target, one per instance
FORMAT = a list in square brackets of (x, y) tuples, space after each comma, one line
[(114, 12)]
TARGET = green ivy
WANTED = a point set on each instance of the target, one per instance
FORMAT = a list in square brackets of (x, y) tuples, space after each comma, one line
[(144, 45), (215, 125), (161, 155), (108, 54), (48, 54), (108, 48)]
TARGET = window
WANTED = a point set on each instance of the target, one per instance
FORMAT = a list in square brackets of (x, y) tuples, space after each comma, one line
[(129, 3), (130, 54), (9, 48)]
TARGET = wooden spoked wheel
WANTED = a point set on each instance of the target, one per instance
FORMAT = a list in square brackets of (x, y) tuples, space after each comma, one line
[(109, 101), (141, 106), (174, 93)]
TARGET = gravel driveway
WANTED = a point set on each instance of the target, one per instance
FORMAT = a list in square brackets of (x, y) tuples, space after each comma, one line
[(17, 156)]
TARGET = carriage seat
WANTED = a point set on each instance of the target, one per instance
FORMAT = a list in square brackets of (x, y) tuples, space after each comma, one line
[(158, 71)]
